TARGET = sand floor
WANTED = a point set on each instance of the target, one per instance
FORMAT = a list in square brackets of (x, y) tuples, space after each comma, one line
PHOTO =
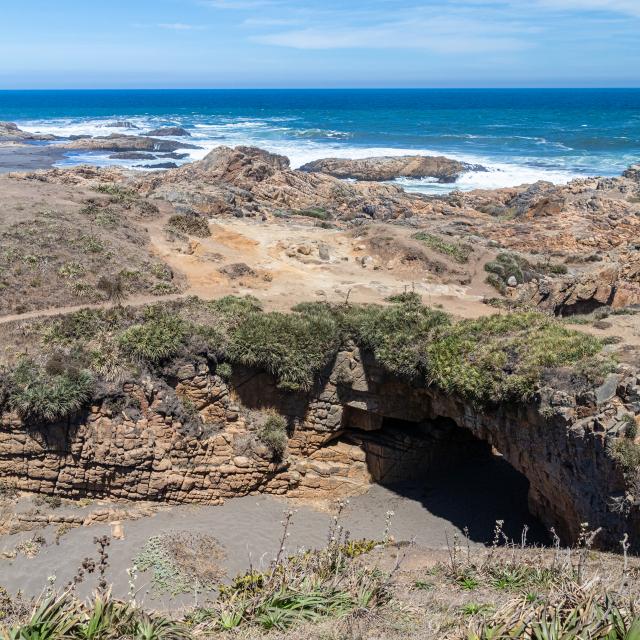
[(249, 528)]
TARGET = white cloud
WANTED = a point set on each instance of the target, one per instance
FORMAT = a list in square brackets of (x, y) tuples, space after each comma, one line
[(628, 7), (439, 34)]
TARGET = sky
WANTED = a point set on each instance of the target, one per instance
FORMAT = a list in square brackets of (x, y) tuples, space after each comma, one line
[(318, 43)]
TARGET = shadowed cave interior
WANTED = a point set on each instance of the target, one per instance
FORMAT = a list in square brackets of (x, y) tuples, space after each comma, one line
[(453, 474)]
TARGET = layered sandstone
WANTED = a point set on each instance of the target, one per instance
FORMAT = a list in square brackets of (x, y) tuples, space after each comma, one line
[(139, 446)]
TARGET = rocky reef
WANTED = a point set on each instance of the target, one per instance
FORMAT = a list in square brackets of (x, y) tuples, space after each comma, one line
[(443, 169)]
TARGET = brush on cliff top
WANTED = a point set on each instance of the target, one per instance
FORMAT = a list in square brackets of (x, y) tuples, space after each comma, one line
[(493, 359)]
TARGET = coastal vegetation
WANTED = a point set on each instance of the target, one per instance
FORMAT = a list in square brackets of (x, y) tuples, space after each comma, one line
[(191, 224), (499, 358), (458, 251), (347, 589)]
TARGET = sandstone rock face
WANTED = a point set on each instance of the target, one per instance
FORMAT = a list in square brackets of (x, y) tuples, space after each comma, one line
[(251, 182), (150, 453), (616, 285), (383, 168)]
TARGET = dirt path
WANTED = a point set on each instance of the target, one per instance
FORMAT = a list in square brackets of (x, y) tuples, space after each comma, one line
[(135, 301)]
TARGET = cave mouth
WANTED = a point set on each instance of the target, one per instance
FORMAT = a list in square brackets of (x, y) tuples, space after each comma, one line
[(453, 474)]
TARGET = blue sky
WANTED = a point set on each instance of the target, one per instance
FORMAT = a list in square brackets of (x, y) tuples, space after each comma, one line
[(323, 43)]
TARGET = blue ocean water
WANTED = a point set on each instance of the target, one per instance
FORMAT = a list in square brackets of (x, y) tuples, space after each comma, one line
[(521, 135)]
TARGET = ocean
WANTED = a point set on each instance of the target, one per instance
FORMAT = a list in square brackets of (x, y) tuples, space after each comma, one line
[(520, 135)]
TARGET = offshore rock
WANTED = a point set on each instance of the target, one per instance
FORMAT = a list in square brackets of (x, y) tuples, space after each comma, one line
[(383, 168)]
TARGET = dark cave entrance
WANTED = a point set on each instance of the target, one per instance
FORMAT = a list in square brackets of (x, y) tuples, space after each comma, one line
[(453, 474)]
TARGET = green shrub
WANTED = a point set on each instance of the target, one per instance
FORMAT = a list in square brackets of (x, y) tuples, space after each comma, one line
[(193, 225), (117, 192), (156, 340), (552, 268), (273, 434), (224, 370), (502, 357), (91, 244), (458, 251), (505, 266), (394, 334), (627, 453), (312, 212), (71, 270), (82, 325), (405, 296), (630, 426), (37, 394), (294, 347)]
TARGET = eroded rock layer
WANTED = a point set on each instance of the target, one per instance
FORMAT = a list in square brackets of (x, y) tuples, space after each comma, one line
[(136, 443)]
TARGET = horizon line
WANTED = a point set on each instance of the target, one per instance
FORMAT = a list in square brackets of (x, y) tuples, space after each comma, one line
[(372, 88)]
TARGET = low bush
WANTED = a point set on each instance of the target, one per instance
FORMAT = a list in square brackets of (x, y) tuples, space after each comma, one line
[(500, 358), (458, 251), (570, 611), (395, 334), (627, 453), (78, 326), (118, 193), (273, 433), (158, 339), (37, 394), (506, 266), (312, 212), (293, 347), (193, 225)]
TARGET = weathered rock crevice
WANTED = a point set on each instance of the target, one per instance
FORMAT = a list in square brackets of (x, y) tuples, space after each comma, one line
[(358, 425)]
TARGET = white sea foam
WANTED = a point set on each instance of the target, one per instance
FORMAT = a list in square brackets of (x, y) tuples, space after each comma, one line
[(301, 145)]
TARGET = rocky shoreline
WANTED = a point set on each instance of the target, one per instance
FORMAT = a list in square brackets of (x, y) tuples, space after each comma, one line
[(243, 222)]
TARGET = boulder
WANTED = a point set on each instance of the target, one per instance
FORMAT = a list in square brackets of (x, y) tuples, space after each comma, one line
[(159, 165), (633, 173)]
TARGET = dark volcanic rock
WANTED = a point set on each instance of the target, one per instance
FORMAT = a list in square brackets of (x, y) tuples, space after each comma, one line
[(383, 168), (170, 131), (633, 173), (174, 155), (121, 124), (132, 155), (159, 165)]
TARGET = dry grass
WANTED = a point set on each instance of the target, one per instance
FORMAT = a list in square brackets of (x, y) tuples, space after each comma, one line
[(363, 590)]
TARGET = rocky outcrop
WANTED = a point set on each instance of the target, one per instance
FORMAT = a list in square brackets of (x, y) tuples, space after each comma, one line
[(384, 168), (615, 285), (9, 132), (246, 181), (175, 132), (117, 142), (140, 443), (120, 124), (132, 155)]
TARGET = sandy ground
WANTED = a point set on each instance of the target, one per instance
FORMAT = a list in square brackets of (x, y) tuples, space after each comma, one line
[(249, 528), (284, 275)]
